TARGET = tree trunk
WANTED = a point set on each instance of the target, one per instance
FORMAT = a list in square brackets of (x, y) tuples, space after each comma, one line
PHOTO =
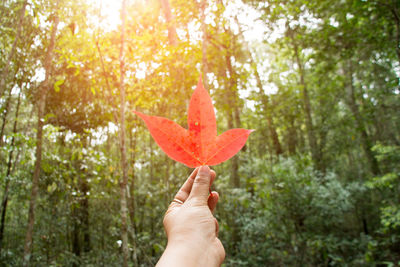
[(80, 209), (124, 166), (9, 169), (108, 92), (172, 36), (6, 111), (264, 98), (39, 142), (5, 114), (233, 116), (365, 139), (396, 16), (76, 247), (85, 215), (292, 136), (83, 211), (235, 179), (4, 73), (131, 198), (204, 44), (266, 108), (312, 140)]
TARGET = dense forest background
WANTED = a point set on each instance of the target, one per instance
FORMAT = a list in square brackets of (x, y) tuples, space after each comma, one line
[(83, 183)]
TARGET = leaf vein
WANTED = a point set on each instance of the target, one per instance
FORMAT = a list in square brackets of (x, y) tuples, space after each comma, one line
[(219, 150)]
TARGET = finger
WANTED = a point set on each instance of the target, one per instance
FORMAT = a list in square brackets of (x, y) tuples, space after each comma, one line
[(213, 200), (213, 175), (184, 191), (201, 185), (216, 227)]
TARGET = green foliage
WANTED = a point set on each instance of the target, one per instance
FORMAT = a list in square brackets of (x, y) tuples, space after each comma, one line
[(280, 218), (387, 186)]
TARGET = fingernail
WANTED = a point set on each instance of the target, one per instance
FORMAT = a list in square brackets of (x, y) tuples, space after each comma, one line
[(204, 170)]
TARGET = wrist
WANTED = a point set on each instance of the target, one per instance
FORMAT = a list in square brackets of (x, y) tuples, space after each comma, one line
[(188, 254)]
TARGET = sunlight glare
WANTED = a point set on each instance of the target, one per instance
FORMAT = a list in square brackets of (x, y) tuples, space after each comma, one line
[(110, 13)]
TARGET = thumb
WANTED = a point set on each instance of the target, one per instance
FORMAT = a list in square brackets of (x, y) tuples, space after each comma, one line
[(201, 185)]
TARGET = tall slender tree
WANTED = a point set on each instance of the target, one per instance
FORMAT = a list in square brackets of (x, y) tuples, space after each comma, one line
[(6, 108), (312, 139), (355, 110), (204, 44), (124, 167), (172, 36), (9, 169), (265, 101), (42, 93)]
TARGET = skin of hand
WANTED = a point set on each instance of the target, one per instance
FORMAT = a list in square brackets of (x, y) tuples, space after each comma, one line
[(191, 228)]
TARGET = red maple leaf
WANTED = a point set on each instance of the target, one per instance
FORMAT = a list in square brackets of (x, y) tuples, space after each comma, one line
[(199, 145)]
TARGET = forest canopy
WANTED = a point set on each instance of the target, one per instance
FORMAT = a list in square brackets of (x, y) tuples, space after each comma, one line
[(82, 183)]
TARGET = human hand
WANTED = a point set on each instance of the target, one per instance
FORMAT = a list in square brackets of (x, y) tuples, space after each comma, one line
[(191, 228)]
